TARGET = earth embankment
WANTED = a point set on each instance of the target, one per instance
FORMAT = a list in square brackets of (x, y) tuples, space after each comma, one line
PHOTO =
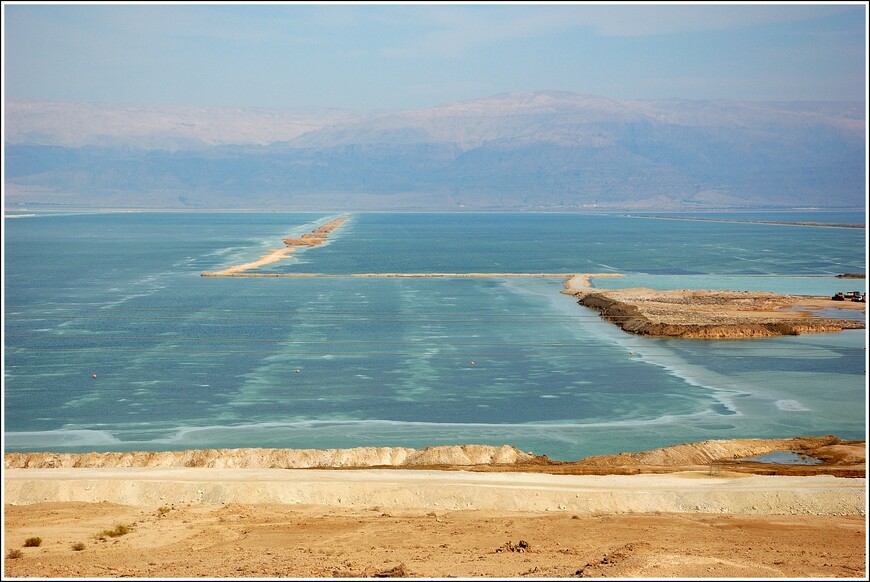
[(715, 314), (835, 456), (252, 458)]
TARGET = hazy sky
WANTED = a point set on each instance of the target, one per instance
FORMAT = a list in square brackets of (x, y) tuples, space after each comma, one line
[(419, 55)]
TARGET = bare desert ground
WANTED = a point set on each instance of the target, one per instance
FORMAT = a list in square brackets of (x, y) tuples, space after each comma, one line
[(190, 515), (296, 541)]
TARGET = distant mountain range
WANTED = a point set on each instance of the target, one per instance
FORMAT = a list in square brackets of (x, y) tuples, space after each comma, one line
[(541, 151)]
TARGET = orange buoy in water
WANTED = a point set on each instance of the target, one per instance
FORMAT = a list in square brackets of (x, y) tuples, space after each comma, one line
[(93, 375)]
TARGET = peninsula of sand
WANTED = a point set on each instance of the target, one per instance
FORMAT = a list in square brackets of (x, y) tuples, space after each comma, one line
[(712, 314), (316, 237)]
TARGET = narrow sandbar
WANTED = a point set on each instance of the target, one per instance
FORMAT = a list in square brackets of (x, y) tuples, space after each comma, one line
[(316, 237), (272, 257)]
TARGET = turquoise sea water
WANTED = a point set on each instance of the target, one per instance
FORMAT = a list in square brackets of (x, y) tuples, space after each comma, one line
[(183, 361)]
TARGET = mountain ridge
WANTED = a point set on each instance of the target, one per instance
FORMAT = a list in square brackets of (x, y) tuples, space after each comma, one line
[(511, 151)]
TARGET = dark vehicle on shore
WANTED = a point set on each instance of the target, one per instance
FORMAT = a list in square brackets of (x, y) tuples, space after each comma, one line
[(850, 296)]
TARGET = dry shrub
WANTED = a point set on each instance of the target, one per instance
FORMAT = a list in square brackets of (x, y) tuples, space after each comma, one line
[(119, 530), (32, 542)]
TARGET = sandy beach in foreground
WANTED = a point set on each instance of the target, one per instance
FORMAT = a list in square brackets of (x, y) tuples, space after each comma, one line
[(463, 521)]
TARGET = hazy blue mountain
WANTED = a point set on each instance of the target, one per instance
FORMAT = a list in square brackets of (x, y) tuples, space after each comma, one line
[(548, 150)]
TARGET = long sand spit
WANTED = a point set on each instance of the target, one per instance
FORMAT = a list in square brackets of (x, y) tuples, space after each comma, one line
[(317, 237)]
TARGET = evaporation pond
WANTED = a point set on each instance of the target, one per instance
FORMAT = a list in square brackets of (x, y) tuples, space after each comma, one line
[(785, 458)]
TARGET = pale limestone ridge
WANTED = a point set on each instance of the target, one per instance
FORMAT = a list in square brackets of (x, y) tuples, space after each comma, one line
[(254, 458)]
